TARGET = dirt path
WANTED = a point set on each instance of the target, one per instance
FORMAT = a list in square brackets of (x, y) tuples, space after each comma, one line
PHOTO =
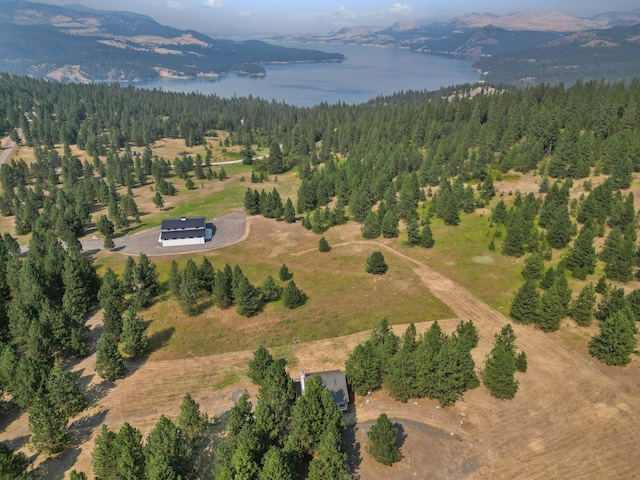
[(8, 146)]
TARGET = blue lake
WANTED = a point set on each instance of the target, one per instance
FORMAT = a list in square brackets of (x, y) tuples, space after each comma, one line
[(366, 73)]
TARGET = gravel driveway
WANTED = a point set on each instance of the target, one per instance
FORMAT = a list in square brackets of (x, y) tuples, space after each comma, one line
[(228, 229)]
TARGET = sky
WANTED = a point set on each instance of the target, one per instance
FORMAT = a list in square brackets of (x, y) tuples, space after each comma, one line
[(265, 18)]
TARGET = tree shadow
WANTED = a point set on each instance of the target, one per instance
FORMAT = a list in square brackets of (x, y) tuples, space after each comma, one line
[(351, 444), (203, 306), (400, 437), (81, 430), (160, 339), (9, 412), (98, 391), (16, 443)]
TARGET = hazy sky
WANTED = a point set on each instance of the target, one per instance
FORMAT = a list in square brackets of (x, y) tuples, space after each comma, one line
[(259, 18)]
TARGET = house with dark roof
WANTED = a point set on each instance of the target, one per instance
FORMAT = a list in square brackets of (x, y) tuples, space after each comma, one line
[(335, 381), (184, 231)]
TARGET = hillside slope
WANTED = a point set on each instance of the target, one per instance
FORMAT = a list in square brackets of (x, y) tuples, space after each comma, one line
[(81, 44)]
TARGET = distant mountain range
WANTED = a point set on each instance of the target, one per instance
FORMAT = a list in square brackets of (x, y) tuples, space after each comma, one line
[(521, 49), (77, 43)]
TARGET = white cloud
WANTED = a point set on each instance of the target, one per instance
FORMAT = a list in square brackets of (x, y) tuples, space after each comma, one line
[(176, 5), (399, 8), (245, 13), (214, 3)]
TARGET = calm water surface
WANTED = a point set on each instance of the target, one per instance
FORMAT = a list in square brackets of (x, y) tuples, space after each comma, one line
[(366, 73)]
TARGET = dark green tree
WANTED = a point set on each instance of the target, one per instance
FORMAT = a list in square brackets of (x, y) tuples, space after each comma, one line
[(128, 275), (514, 241), (206, 276), (426, 237), (104, 455), (331, 460), (616, 341), (134, 334), (583, 308), (48, 427), (363, 369), (269, 291), (222, 288), (259, 364), (292, 297), (413, 231), (376, 264), (129, 453), (190, 420), (525, 305), (389, 225), (581, 260), (498, 373), (371, 226), (533, 267), (275, 465), (109, 362), (551, 310), (323, 245), (168, 443), (65, 392), (382, 442), (288, 212), (158, 200), (277, 395), (147, 285), (246, 297), (284, 273)]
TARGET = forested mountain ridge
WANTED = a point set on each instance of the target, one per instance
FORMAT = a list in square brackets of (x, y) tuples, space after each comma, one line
[(81, 44), (521, 49)]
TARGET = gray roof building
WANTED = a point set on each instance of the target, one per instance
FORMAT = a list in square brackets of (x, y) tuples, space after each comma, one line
[(335, 381)]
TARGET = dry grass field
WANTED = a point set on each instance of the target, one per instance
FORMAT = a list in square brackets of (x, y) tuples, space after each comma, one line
[(572, 418)]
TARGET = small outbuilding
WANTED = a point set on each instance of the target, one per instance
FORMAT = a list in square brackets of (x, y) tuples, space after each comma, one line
[(335, 381), (184, 231)]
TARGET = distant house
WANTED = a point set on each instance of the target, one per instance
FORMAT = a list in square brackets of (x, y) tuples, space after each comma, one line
[(335, 381), (184, 231)]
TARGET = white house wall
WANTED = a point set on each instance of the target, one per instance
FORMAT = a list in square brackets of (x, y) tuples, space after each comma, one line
[(183, 241)]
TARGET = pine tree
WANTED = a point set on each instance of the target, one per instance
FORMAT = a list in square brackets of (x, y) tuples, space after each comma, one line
[(413, 231), (426, 237), (382, 441), (222, 288), (134, 334), (371, 226), (498, 373), (190, 420), (551, 310), (292, 297), (109, 362), (288, 212), (533, 267), (275, 465), (331, 460), (104, 455), (65, 393), (583, 307), (48, 427), (616, 341), (389, 225), (246, 297), (376, 264), (581, 260), (168, 447), (514, 242), (108, 243), (525, 304), (363, 369), (269, 291), (147, 285), (277, 395), (128, 276), (129, 453), (323, 245), (284, 273), (259, 364), (206, 276), (158, 201), (188, 293)]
